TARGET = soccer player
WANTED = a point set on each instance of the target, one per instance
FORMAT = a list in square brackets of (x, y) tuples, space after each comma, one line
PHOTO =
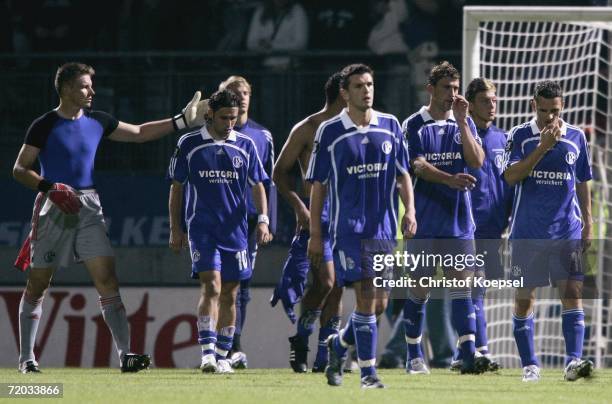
[(551, 224), (67, 220), (491, 202), (217, 163), (443, 143), (360, 158), (323, 299), (265, 148)]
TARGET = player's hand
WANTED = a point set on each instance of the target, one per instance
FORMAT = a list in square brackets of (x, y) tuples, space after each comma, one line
[(549, 136), (460, 108), (462, 182), (194, 114), (178, 240), (587, 236), (409, 225), (315, 250), (64, 197), (303, 218), (263, 234)]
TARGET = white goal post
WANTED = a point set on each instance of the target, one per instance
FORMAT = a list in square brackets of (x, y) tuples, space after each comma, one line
[(516, 47)]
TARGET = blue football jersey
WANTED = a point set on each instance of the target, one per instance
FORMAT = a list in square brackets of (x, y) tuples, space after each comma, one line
[(68, 147), (217, 175), (491, 197), (360, 167), (545, 203), (265, 148), (441, 212)]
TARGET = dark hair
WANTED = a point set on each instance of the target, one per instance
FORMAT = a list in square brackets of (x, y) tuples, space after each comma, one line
[(332, 87), (442, 70), (351, 70), (478, 85), (223, 99), (69, 72), (548, 89)]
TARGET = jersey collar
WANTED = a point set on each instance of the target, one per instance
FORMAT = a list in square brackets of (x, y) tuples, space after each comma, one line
[(536, 131), (207, 136), (348, 123), (426, 116)]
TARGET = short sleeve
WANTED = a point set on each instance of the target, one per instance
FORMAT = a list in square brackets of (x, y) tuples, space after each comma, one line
[(108, 122), (39, 130), (319, 167), (178, 169), (413, 139), (583, 167), (474, 131), (256, 172), (513, 151), (402, 158)]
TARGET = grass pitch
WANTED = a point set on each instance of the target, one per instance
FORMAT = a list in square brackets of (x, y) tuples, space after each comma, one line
[(284, 386)]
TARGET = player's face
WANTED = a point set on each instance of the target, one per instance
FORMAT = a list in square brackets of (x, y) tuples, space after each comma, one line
[(80, 92), (360, 92), (444, 92), (244, 95), (223, 120), (547, 110), (484, 106)]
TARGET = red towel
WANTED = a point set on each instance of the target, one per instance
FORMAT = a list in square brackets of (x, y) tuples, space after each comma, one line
[(23, 258)]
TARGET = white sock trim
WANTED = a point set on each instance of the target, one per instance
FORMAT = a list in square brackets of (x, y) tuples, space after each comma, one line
[(366, 363), (467, 337), (413, 341)]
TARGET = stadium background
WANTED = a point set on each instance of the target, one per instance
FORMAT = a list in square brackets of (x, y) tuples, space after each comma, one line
[(150, 56)]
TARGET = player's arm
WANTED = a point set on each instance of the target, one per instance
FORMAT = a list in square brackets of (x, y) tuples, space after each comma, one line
[(178, 238), (472, 151), (61, 195), (518, 171), (423, 169), (281, 175), (406, 193), (22, 170), (583, 192), (318, 192), (261, 204), (192, 115)]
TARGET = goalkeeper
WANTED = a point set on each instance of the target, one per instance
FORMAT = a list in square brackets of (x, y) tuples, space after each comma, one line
[(67, 219)]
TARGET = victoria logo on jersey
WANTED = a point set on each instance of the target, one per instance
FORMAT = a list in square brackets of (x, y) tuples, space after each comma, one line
[(237, 161), (571, 158), (387, 147)]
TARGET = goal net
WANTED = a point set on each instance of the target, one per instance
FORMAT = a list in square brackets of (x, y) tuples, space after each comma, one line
[(516, 47)]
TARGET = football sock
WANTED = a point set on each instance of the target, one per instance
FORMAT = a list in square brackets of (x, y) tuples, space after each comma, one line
[(414, 317), (523, 328), (207, 336), (572, 323), (115, 317), (30, 311), (463, 319), (366, 331)]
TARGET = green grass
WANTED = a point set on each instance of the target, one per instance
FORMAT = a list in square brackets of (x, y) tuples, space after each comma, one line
[(283, 386)]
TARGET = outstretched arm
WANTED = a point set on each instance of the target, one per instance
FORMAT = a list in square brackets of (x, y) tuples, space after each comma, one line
[(192, 115)]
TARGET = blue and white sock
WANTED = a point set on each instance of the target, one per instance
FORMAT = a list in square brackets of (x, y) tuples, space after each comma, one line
[(331, 327), (463, 319), (523, 328), (366, 333), (224, 342), (346, 338), (306, 322), (572, 323), (207, 335), (414, 320), (481, 321)]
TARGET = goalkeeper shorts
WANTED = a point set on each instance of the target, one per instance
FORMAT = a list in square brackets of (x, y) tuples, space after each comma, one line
[(58, 239)]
